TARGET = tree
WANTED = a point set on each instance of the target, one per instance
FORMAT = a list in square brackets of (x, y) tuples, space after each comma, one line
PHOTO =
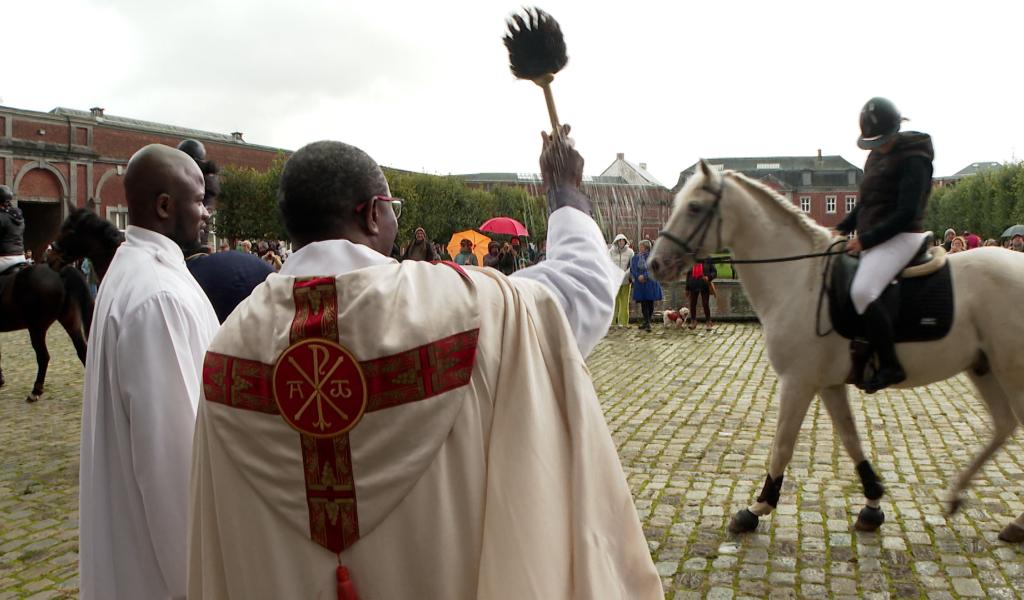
[(247, 204), (986, 203)]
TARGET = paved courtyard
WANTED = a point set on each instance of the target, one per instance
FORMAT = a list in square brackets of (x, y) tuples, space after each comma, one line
[(693, 416)]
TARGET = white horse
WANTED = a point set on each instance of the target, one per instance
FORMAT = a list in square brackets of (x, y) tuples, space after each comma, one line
[(728, 210)]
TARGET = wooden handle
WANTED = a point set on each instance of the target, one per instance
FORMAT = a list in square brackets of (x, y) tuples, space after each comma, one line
[(544, 82)]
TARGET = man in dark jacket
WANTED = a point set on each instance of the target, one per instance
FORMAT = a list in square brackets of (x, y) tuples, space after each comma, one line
[(226, 277), (888, 220)]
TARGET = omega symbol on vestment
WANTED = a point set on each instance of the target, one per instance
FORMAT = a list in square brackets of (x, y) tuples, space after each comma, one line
[(319, 388)]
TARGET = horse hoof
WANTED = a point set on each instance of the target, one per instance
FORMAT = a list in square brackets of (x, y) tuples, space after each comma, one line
[(869, 519), (954, 506), (33, 398), (1012, 533), (743, 521)]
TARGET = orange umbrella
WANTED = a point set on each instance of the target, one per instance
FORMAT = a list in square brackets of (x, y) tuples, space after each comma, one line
[(478, 240)]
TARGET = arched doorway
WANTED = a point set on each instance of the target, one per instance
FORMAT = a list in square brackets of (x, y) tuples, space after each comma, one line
[(40, 191)]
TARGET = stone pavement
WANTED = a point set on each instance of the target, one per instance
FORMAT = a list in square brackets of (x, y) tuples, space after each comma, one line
[(693, 416)]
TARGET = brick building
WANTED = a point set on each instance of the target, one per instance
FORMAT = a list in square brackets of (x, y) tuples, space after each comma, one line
[(969, 170), (824, 187), (65, 159), (626, 198)]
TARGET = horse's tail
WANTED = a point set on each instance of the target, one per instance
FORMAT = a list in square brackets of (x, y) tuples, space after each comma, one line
[(77, 288)]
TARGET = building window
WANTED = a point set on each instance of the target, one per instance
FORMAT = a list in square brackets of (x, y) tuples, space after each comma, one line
[(805, 204), (851, 203), (830, 205), (118, 215)]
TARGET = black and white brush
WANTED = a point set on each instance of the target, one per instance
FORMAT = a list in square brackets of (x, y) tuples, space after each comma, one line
[(536, 51)]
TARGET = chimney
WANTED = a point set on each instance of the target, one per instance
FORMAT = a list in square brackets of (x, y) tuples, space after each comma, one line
[(643, 166), (620, 156), (237, 135), (819, 154), (96, 111)]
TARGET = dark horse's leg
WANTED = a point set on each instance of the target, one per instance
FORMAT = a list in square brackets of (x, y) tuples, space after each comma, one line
[(71, 320), (38, 337), (1, 377)]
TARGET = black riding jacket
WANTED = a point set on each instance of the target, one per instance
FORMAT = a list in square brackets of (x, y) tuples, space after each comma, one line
[(894, 192), (12, 231)]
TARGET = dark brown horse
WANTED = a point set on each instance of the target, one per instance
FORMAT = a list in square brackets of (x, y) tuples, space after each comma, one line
[(36, 296)]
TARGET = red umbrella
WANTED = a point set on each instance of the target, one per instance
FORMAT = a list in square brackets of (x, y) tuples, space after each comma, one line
[(505, 226)]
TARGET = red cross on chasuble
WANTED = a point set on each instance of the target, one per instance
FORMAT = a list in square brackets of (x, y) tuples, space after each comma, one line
[(322, 391)]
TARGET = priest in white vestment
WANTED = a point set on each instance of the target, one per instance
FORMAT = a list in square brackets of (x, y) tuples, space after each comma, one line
[(151, 327), (387, 431)]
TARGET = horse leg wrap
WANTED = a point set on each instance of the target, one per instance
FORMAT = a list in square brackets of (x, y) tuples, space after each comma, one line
[(771, 491), (873, 489)]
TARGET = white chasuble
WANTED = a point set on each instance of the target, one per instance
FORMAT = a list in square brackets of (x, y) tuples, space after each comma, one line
[(433, 430)]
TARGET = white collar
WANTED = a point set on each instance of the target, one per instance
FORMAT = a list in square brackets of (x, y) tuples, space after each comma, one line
[(157, 244), (332, 257)]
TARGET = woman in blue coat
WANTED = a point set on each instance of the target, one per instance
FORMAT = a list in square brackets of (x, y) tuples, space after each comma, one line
[(646, 291)]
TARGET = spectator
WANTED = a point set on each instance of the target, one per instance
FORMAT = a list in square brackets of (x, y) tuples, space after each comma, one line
[(947, 239), (542, 253), (245, 246), (1017, 243), (224, 246), (699, 286), (506, 259), (958, 245), (621, 254), (991, 242), (972, 240), (520, 254), (646, 291), (493, 255), (465, 255), (28, 257), (420, 248)]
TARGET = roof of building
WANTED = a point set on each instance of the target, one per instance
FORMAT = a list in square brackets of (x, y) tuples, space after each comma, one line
[(641, 173), (139, 124), (975, 168), (779, 163), (513, 178)]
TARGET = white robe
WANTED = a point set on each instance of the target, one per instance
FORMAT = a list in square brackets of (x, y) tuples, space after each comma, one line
[(506, 487), (151, 327)]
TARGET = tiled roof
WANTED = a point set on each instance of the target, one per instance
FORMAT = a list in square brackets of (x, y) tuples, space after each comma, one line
[(532, 178), (975, 168)]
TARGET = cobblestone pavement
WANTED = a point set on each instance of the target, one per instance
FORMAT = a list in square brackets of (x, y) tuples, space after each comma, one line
[(693, 415)]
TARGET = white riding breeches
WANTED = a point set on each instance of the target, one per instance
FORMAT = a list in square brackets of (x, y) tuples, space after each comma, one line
[(9, 261), (879, 265)]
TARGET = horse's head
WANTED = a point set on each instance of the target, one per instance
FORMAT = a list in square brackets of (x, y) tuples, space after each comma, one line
[(84, 234), (695, 227)]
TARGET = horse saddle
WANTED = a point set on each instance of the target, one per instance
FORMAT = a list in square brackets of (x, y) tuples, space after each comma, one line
[(7, 275), (919, 301)]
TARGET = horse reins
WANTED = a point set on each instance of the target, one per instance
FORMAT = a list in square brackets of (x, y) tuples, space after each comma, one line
[(704, 225)]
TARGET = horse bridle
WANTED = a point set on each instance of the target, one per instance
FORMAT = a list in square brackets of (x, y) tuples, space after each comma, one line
[(703, 226)]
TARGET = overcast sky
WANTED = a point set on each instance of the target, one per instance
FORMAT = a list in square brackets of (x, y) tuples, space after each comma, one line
[(426, 86)]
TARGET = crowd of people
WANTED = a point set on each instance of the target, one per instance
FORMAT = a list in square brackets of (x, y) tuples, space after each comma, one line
[(968, 241)]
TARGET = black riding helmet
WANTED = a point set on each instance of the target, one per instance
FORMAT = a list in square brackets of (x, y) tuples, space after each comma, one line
[(193, 148), (6, 195), (879, 121)]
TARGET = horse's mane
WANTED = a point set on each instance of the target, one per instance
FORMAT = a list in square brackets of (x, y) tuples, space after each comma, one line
[(82, 223), (774, 199)]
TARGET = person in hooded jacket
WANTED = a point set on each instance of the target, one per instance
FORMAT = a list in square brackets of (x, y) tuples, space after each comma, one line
[(646, 291), (12, 231), (420, 248), (621, 254), (493, 257), (889, 223)]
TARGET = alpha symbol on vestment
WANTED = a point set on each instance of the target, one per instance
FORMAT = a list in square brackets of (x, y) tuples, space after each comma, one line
[(319, 388)]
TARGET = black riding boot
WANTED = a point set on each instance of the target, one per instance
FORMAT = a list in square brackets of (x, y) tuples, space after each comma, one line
[(879, 332)]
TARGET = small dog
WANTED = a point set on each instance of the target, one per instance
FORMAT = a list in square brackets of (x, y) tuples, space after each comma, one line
[(676, 318)]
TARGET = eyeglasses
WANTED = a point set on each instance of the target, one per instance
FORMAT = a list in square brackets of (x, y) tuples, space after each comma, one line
[(396, 204)]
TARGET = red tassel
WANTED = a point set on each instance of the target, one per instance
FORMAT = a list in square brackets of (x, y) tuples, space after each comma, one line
[(346, 591)]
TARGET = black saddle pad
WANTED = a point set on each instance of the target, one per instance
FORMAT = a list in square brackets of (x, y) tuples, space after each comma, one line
[(7, 275), (921, 307)]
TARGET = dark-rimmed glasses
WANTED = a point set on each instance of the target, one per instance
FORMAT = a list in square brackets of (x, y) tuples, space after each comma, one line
[(396, 204)]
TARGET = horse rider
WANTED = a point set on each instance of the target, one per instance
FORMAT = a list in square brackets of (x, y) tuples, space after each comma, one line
[(888, 221), (12, 232)]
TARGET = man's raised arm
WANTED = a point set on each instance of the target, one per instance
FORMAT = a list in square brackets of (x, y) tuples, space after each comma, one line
[(577, 269)]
